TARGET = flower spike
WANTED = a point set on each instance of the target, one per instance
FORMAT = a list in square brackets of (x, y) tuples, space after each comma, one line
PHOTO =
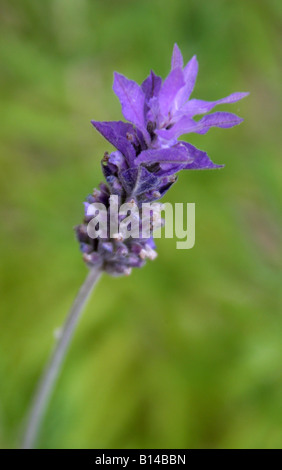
[(149, 155)]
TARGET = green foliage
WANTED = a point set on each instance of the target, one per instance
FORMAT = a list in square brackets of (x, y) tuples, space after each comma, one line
[(187, 351)]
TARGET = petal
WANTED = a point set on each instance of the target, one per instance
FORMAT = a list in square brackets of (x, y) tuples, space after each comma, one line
[(132, 99), (177, 59), (116, 133), (193, 107), (218, 119), (190, 74), (153, 113), (171, 86), (183, 126), (187, 124), (176, 154), (201, 160), (151, 86)]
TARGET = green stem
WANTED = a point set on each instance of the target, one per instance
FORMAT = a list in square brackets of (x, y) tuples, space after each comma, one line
[(52, 370)]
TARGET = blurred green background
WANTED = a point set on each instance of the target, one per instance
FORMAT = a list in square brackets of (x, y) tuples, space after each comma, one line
[(187, 351)]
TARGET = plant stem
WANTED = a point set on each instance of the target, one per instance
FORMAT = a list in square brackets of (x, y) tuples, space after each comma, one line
[(52, 370)]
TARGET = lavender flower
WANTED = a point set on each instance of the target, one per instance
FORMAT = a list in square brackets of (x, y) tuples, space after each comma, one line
[(148, 154)]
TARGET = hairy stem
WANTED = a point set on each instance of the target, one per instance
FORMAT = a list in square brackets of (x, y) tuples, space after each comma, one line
[(53, 367)]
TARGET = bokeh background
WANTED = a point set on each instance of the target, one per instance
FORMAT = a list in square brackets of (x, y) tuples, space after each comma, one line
[(185, 353)]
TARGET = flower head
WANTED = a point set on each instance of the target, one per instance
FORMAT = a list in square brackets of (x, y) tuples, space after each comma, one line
[(148, 153)]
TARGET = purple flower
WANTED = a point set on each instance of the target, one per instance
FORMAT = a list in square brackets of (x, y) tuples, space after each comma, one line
[(148, 153), (164, 111)]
